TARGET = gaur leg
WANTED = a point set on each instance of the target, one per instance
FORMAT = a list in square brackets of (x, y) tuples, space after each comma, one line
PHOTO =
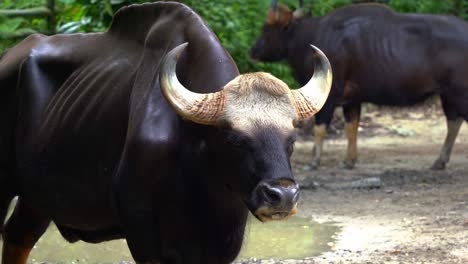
[(136, 196), (454, 122), (22, 231), (322, 121), (138, 218), (352, 114), (453, 126), (142, 224), (320, 133)]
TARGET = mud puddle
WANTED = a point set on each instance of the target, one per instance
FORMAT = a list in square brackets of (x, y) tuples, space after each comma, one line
[(293, 239)]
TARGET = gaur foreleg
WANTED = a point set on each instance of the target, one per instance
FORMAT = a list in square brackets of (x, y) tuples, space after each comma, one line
[(22, 231), (454, 121), (322, 121), (453, 110), (453, 127), (352, 114)]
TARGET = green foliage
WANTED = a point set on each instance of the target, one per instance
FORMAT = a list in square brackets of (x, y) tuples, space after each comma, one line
[(237, 23), (9, 4), (87, 15), (322, 7), (8, 25), (423, 6), (404, 5)]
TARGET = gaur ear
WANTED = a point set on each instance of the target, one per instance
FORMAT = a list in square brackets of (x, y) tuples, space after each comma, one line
[(281, 16)]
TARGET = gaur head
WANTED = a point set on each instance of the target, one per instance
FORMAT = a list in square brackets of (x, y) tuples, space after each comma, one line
[(272, 43), (254, 113)]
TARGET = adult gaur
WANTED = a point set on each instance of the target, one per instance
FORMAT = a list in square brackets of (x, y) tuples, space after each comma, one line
[(378, 56), (99, 136)]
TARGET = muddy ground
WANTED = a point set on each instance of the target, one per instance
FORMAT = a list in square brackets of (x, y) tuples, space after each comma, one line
[(403, 212)]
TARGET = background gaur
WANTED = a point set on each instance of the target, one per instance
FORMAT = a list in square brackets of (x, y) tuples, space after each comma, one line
[(378, 56)]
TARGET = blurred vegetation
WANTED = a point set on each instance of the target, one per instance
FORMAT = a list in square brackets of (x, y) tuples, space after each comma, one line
[(15, 24), (237, 23)]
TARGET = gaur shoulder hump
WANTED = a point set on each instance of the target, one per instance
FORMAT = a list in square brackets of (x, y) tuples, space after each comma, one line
[(139, 12)]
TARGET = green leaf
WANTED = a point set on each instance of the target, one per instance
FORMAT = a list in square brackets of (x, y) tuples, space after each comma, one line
[(117, 2), (108, 7), (69, 27)]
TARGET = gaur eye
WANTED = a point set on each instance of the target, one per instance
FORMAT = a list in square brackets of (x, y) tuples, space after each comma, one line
[(237, 141)]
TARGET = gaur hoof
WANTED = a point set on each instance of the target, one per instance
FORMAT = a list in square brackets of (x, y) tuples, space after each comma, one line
[(438, 165), (348, 165)]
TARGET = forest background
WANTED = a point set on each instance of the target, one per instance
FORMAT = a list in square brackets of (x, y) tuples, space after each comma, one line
[(237, 23)]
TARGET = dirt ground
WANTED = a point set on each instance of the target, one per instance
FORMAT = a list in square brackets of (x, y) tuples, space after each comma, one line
[(392, 208)]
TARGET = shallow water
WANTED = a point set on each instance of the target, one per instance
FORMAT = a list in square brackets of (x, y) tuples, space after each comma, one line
[(295, 238), (292, 239)]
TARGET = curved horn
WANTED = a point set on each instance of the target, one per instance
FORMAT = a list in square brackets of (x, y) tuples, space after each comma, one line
[(274, 4), (310, 98), (200, 108)]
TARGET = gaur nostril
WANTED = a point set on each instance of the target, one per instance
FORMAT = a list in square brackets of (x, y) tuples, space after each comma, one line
[(273, 196), (278, 195)]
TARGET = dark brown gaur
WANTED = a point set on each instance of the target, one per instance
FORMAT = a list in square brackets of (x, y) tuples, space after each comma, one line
[(133, 133), (378, 56)]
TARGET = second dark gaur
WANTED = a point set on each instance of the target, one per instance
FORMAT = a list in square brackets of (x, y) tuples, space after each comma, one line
[(378, 56)]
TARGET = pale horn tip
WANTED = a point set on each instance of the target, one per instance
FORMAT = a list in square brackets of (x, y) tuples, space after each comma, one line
[(310, 98), (178, 50)]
